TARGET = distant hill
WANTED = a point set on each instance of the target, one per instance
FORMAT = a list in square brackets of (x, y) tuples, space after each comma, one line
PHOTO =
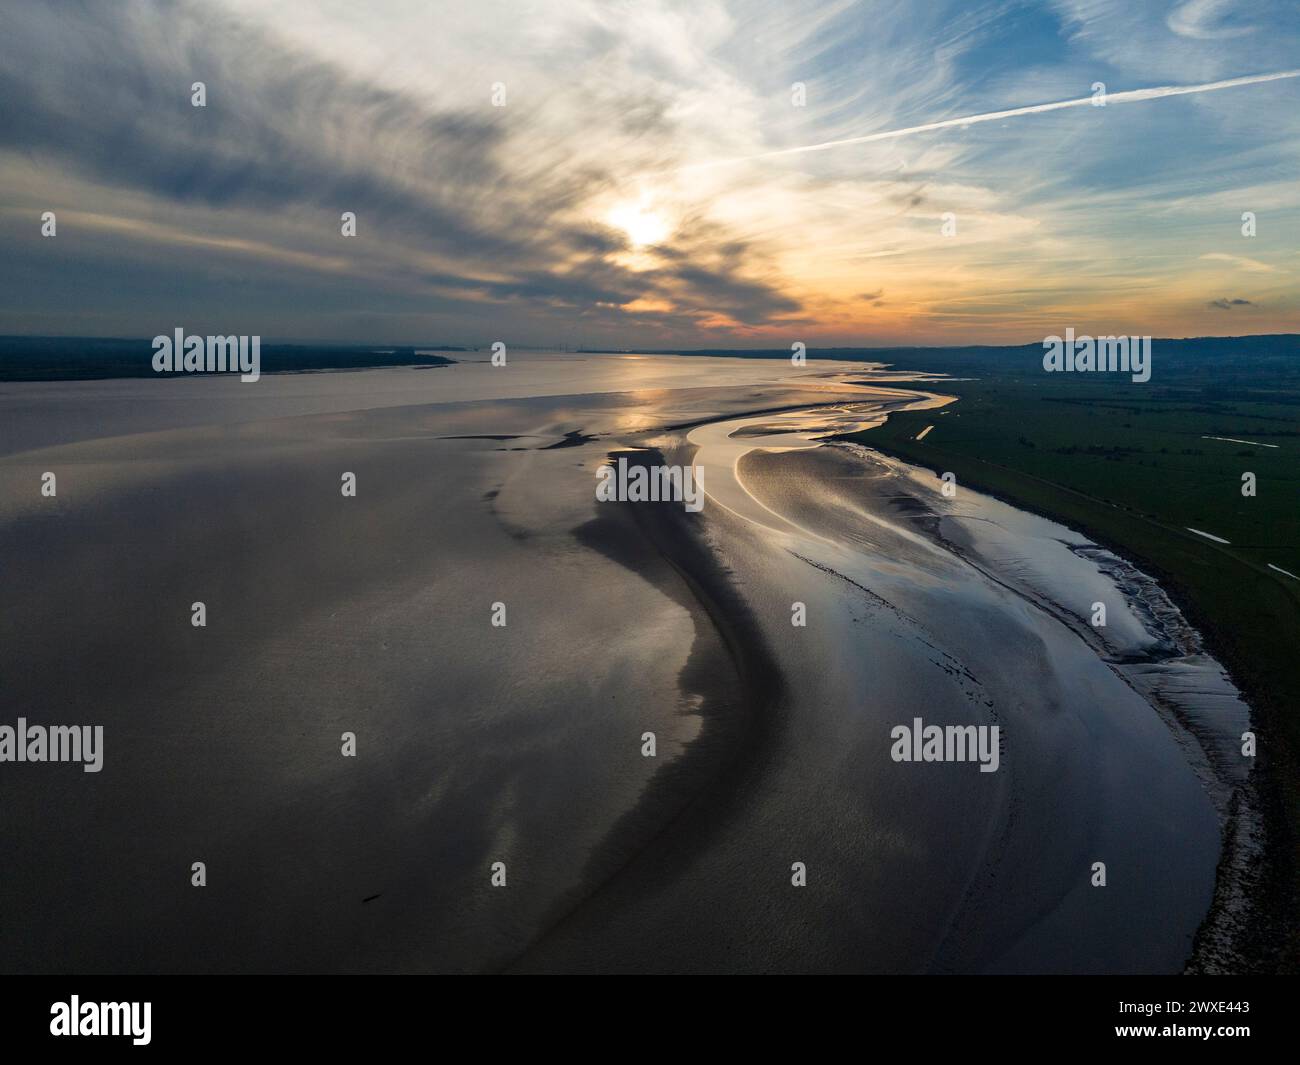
[(1204, 362), (989, 356)]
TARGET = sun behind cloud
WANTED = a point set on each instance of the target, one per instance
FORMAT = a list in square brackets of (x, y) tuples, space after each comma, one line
[(642, 223)]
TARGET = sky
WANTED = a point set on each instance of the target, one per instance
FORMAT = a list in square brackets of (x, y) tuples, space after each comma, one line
[(638, 174)]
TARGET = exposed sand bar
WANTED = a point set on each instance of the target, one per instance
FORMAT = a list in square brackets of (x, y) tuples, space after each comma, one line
[(925, 867)]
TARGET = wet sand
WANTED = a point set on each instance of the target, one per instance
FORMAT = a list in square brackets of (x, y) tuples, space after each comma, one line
[(522, 744), (914, 868)]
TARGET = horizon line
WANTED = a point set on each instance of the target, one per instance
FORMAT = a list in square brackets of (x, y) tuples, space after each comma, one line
[(598, 350)]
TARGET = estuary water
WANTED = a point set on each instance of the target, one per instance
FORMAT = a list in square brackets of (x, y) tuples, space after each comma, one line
[(499, 645)]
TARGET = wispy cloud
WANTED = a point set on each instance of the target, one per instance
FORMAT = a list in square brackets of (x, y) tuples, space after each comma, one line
[(595, 207), (1128, 96), (1241, 262), (1206, 20)]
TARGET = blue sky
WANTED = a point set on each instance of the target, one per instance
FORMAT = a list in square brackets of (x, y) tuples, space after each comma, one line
[(626, 193)]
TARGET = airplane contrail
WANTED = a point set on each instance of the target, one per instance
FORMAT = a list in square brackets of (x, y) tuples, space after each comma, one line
[(1129, 96)]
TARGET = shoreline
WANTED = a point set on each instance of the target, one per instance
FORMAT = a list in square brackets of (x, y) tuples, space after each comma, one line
[(1271, 880)]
